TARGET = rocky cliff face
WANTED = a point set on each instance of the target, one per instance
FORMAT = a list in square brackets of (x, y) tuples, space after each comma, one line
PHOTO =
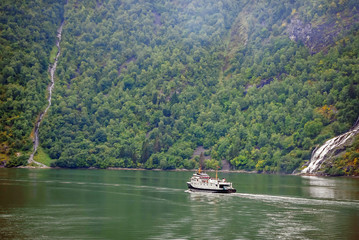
[(330, 150), (322, 32)]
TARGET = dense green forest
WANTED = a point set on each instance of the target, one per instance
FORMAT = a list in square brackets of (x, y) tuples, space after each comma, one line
[(144, 83), (26, 38)]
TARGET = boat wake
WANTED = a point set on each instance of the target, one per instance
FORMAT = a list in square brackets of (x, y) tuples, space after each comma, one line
[(295, 200), (95, 184), (275, 199)]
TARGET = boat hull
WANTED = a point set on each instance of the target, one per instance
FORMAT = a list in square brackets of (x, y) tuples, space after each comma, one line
[(220, 190)]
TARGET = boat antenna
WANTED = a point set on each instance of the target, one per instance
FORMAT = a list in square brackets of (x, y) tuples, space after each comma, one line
[(217, 173)]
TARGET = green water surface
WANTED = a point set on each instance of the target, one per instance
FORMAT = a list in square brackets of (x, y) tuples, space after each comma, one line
[(110, 204)]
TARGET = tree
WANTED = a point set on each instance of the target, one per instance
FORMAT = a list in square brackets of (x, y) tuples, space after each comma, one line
[(313, 128)]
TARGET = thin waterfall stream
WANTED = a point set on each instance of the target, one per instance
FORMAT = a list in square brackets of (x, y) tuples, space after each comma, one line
[(52, 69)]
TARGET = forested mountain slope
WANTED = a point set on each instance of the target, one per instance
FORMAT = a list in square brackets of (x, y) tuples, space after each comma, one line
[(26, 39), (144, 83)]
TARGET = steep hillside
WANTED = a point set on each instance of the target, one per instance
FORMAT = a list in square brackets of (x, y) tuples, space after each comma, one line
[(26, 38), (346, 164), (259, 83)]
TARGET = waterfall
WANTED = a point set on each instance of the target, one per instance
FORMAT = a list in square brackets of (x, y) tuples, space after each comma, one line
[(52, 70), (327, 149)]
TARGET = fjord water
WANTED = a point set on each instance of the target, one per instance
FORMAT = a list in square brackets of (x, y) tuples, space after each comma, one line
[(109, 204)]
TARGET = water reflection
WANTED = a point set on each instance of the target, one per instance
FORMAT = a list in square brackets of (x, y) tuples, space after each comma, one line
[(210, 214), (320, 187), (206, 197), (331, 188)]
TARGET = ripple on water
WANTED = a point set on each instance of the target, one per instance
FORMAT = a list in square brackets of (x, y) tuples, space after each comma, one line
[(296, 200)]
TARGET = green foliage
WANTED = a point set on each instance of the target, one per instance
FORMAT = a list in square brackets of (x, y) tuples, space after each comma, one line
[(313, 128), (17, 161), (347, 164), (143, 84), (27, 35), (53, 54), (211, 164), (42, 157)]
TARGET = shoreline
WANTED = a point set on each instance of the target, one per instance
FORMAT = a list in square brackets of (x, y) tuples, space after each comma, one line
[(191, 170), (178, 170)]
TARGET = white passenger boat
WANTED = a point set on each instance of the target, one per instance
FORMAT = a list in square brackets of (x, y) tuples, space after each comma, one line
[(203, 182)]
